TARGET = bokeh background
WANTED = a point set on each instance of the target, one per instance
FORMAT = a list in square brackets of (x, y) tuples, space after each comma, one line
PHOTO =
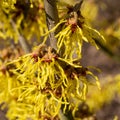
[(104, 15)]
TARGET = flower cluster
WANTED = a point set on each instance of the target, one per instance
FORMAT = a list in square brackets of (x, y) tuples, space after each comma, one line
[(21, 18), (73, 32), (43, 83)]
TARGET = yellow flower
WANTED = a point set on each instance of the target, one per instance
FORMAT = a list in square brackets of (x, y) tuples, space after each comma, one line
[(44, 84)]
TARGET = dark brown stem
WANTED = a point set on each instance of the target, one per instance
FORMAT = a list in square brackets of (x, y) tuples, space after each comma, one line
[(52, 19), (23, 42)]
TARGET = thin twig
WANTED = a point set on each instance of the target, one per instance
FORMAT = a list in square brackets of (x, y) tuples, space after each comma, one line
[(107, 50), (52, 19), (23, 42)]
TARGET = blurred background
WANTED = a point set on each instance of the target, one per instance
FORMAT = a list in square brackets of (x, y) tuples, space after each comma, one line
[(103, 15)]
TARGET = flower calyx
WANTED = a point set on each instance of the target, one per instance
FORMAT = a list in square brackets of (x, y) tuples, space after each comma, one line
[(47, 54), (74, 18), (72, 72)]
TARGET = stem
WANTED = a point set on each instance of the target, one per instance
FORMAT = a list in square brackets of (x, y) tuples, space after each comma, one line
[(107, 50), (52, 19), (23, 42)]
